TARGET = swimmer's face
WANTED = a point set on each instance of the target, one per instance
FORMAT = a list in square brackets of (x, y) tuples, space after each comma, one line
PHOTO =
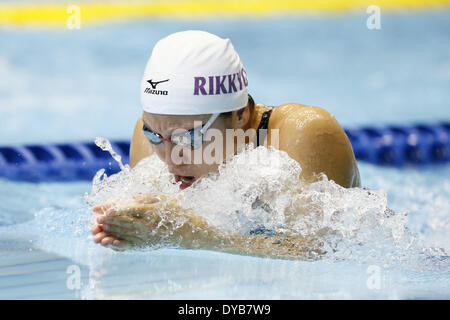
[(185, 164)]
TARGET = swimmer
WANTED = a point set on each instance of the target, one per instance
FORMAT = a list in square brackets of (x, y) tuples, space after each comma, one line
[(195, 83)]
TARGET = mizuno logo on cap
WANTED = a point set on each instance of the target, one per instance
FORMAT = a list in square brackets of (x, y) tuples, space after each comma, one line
[(152, 89), (154, 84)]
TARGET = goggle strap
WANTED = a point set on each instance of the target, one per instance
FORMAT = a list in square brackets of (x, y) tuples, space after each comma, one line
[(209, 122)]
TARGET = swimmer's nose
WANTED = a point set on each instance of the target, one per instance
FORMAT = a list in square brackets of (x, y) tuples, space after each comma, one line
[(173, 154)]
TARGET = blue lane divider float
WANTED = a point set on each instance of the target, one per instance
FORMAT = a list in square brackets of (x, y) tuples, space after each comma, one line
[(408, 146), (416, 145), (59, 162)]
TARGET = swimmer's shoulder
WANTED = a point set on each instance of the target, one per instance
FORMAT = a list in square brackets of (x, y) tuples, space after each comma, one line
[(313, 137), (296, 116), (140, 147)]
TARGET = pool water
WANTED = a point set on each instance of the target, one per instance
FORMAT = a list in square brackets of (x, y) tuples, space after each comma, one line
[(72, 85)]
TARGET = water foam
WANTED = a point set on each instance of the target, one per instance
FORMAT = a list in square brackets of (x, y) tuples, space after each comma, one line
[(260, 189)]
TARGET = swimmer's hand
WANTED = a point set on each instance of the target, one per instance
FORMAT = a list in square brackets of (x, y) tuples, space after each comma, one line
[(148, 221)]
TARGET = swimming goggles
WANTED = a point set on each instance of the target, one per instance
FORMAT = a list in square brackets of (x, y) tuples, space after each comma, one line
[(186, 138)]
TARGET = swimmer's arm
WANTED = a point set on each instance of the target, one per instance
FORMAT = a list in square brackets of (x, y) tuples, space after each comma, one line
[(140, 147), (279, 246), (149, 222), (314, 138), (200, 235)]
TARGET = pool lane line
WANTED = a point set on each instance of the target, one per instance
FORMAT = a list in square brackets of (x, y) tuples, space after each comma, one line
[(56, 14), (406, 146)]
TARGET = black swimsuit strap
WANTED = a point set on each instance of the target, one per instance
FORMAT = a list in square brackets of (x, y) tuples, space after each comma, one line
[(264, 124)]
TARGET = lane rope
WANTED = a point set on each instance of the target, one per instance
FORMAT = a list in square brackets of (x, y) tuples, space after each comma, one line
[(396, 146)]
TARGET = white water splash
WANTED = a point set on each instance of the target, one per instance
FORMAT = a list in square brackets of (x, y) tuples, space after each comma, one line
[(350, 224), (105, 145)]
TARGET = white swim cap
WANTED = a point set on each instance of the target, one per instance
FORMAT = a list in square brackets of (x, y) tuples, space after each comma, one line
[(193, 72)]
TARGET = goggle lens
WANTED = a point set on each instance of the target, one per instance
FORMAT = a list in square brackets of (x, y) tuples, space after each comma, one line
[(186, 138), (152, 136)]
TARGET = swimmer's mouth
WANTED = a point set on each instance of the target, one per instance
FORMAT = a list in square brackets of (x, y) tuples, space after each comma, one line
[(186, 181)]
